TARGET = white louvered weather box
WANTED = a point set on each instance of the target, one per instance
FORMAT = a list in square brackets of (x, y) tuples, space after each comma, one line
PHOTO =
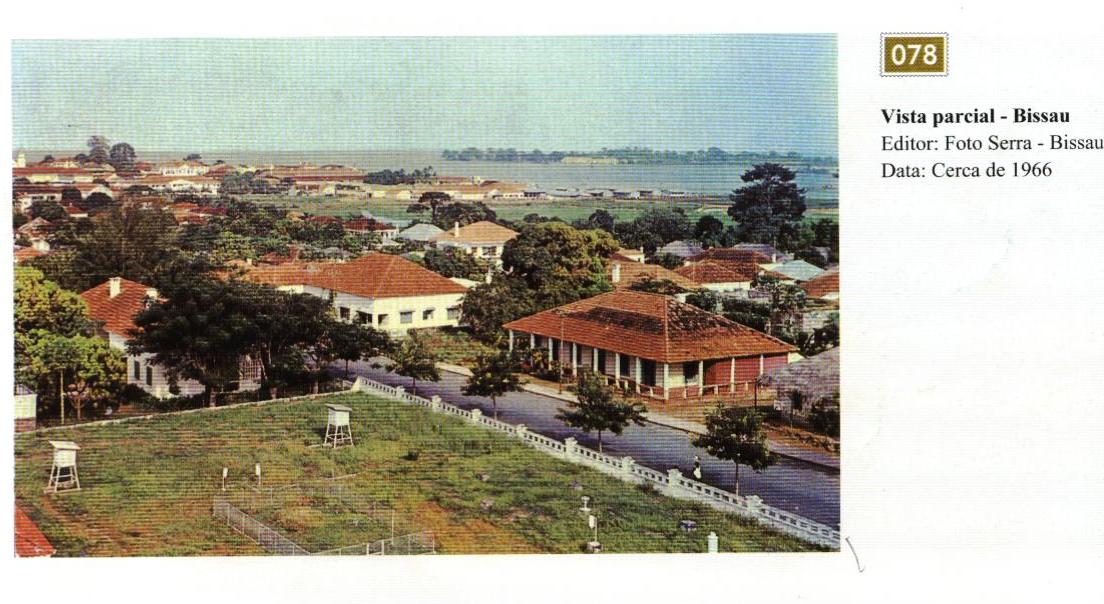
[(338, 432), (63, 474)]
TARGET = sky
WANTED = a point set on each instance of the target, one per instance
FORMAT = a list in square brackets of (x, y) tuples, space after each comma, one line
[(738, 92)]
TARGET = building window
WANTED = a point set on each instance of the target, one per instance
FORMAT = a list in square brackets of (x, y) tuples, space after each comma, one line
[(381, 320), (624, 365), (690, 372), (363, 318), (489, 252), (149, 375), (406, 317), (343, 313), (454, 313), (137, 370), (427, 314)]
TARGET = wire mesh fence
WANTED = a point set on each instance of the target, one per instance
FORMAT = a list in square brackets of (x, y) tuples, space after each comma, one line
[(415, 543)]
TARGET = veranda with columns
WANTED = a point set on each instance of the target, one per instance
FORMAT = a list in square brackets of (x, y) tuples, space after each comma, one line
[(652, 378), (652, 345)]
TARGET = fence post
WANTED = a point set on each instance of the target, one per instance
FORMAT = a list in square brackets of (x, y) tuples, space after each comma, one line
[(570, 445), (627, 464), (476, 414), (754, 503), (520, 431), (674, 483), (435, 403)]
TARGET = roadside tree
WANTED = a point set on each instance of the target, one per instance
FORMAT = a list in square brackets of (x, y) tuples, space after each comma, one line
[(414, 359), (493, 376), (736, 435), (596, 409)]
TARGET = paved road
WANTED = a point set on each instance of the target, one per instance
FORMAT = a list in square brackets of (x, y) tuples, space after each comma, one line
[(799, 487)]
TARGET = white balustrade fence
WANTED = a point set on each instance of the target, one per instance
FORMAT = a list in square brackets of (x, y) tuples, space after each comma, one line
[(672, 484)]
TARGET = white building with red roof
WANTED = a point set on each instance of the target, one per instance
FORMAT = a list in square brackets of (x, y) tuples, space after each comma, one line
[(383, 291), (653, 344), (114, 304)]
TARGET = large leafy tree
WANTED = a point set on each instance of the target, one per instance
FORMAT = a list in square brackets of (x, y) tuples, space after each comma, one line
[(487, 306), (86, 368), (450, 214), (736, 435), (413, 358), (560, 263), (98, 150), (654, 228), (122, 156), (596, 409), (41, 304), (430, 201), (768, 205), (494, 375), (138, 244), (200, 331), (710, 232), (454, 262)]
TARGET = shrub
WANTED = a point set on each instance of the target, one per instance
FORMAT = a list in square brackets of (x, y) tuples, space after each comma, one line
[(825, 419)]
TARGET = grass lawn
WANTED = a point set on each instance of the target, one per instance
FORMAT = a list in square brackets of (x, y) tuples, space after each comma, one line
[(148, 487)]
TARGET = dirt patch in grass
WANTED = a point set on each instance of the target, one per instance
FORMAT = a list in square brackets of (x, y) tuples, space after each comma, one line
[(456, 536)]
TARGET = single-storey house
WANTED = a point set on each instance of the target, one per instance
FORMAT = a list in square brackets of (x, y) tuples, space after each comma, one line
[(652, 344), (114, 304), (823, 287), (378, 290), (26, 408), (625, 273), (483, 239), (681, 249), (720, 276), (422, 232), (798, 270)]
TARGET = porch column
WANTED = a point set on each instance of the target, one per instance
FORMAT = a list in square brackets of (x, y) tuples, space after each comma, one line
[(760, 364), (732, 376), (617, 368), (550, 359), (667, 381), (511, 340), (701, 378), (639, 374), (574, 357), (532, 341), (594, 360)]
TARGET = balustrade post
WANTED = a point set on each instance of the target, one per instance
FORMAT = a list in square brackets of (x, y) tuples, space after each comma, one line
[(570, 447), (476, 415)]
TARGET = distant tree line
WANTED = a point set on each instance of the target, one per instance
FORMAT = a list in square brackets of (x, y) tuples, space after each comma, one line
[(631, 155), (400, 177)]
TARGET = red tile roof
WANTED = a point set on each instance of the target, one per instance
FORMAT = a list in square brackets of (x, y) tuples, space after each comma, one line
[(29, 540), (729, 254), (710, 271), (373, 275), (633, 272), (650, 326), (477, 233), (822, 285), (117, 314), (26, 253)]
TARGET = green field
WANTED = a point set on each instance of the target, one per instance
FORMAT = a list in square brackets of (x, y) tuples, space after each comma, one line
[(148, 487)]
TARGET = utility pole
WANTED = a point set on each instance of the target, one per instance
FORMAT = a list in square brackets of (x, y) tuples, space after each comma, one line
[(61, 393)]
